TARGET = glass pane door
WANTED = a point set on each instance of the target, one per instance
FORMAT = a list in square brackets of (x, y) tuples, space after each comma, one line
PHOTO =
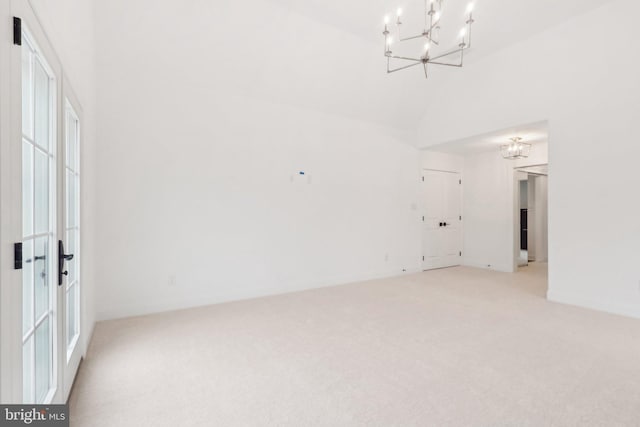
[(38, 219), (72, 229)]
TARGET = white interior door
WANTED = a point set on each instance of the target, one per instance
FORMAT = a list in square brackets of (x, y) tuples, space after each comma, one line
[(40, 307), (442, 225), (72, 343)]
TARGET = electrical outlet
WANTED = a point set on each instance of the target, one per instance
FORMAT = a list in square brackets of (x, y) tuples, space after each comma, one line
[(172, 280)]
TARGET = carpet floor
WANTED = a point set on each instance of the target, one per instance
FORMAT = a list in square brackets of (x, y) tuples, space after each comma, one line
[(453, 347)]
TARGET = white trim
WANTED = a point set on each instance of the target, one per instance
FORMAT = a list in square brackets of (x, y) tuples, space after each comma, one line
[(578, 300), (10, 176), (202, 300)]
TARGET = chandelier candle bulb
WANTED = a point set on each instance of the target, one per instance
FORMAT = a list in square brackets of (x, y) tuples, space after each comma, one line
[(463, 33)]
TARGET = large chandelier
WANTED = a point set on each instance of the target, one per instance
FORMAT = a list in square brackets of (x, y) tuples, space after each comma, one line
[(516, 149), (431, 35)]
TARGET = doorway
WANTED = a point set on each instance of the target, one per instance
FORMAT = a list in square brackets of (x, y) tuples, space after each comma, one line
[(531, 214)]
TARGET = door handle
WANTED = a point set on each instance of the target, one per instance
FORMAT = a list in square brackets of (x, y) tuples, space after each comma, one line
[(62, 257)]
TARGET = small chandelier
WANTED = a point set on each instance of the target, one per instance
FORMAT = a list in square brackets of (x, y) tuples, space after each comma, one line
[(431, 31), (516, 149)]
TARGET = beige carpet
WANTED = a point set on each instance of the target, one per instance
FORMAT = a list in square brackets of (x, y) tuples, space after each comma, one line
[(456, 347)]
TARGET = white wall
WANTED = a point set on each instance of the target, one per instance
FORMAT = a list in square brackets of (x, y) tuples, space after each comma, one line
[(195, 178), (589, 91), (69, 26), (488, 212), (447, 162), (541, 219)]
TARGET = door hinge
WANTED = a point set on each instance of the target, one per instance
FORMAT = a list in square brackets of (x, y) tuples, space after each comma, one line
[(423, 258), (423, 219), (17, 256), (460, 181), (460, 217), (423, 179), (460, 253), (17, 31)]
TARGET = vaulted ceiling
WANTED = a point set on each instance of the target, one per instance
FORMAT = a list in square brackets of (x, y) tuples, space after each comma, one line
[(325, 55), (346, 74)]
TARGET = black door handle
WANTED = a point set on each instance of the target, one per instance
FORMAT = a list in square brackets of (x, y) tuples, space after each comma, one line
[(62, 257)]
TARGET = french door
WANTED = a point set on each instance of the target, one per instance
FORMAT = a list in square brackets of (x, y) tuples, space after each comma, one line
[(39, 231), (41, 324), (442, 222)]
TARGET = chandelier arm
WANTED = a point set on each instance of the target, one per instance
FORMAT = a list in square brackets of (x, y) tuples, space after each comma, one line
[(411, 38), (444, 63), (406, 59), (458, 50), (426, 76), (389, 71)]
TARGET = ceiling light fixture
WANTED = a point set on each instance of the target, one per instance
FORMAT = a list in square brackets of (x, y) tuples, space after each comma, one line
[(431, 32), (516, 149)]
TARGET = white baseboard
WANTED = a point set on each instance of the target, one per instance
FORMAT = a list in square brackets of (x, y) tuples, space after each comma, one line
[(194, 301), (495, 267), (595, 304)]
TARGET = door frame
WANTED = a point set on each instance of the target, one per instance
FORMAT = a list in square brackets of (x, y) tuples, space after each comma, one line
[(71, 361), (10, 175), (517, 170)]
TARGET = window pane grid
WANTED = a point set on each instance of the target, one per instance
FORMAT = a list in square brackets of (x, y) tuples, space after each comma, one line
[(72, 220), (39, 146)]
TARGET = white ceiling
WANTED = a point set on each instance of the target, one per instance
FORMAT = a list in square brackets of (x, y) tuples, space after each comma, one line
[(323, 55), (533, 133), (348, 76), (499, 23)]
